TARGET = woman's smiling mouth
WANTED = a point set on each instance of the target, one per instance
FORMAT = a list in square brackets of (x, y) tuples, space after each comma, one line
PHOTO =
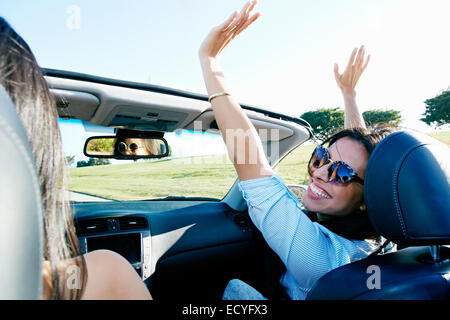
[(317, 193)]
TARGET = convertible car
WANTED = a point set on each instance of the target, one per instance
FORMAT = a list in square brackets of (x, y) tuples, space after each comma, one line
[(177, 214)]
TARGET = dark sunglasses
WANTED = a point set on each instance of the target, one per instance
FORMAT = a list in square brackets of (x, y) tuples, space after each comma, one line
[(123, 147), (338, 173)]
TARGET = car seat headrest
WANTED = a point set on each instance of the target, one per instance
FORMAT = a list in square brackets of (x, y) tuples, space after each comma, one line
[(21, 231), (406, 189)]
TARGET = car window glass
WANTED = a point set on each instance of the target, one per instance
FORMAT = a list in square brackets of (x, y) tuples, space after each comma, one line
[(198, 166), (293, 167)]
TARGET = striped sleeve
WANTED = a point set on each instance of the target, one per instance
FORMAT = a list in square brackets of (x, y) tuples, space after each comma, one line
[(308, 249)]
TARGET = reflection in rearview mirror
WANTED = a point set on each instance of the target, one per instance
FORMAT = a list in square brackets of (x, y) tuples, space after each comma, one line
[(126, 147)]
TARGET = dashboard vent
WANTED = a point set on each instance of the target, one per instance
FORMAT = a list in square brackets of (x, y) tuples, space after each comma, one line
[(132, 223), (92, 226)]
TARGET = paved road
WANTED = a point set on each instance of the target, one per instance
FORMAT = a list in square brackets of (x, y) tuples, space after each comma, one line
[(81, 197)]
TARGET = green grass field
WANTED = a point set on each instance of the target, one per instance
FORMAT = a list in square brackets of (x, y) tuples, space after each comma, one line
[(192, 177), (443, 136), (208, 176)]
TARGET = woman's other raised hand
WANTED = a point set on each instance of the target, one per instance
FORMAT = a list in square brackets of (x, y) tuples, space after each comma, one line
[(356, 65)]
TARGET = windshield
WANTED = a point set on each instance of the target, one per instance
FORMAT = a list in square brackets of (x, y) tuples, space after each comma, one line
[(198, 166)]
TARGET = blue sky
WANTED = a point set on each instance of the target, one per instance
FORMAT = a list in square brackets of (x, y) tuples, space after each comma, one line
[(283, 62)]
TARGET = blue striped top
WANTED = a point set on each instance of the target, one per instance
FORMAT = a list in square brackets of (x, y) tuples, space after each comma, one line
[(308, 249)]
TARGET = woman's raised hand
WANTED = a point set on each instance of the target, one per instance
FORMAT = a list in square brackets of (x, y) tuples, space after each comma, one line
[(355, 67), (219, 37)]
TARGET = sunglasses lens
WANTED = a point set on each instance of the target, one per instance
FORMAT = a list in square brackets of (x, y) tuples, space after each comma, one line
[(122, 147), (340, 173), (344, 174), (133, 146), (320, 157), (314, 162)]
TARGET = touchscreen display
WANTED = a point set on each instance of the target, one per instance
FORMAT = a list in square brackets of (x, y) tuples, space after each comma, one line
[(127, 245)]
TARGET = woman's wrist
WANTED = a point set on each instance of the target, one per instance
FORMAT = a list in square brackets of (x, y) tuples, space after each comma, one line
[(207, 60), (210, 64), (348, 93), (212, 75)]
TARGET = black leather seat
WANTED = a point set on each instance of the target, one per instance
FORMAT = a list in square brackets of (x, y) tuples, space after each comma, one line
[(20, 210), (407, 194)]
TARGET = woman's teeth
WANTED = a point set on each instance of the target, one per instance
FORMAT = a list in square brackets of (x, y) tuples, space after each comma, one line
[(318, 192)]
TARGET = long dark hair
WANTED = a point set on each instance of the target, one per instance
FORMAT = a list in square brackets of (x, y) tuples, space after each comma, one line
[(24, 81), (355, 226)]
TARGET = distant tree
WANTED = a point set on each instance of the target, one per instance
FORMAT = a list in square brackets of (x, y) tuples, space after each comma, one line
[(82, 164), (70, 160), (98, 162), (324, 121), (105, 161), (437, 112), (92, 162), (376, 117), (101, 145)]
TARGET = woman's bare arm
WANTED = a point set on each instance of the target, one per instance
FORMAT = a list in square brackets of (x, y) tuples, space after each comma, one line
[(241, 138), (109, 277), (347, 82)]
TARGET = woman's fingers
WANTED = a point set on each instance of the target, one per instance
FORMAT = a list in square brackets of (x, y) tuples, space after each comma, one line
[(243, 17), (237, 31), (360, 65), (337, 76), (242, 21), (355, 67), (220, 36), (366, 63), (229, 22), (232, 22), (352, 58), (247, 23), (243, 14), (249, 7), (360, 57)]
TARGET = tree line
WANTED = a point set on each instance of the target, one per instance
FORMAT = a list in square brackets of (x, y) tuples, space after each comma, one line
[(325, 121), (90, 162)]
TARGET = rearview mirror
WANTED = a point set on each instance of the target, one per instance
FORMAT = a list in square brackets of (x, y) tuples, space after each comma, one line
[(126, 147)]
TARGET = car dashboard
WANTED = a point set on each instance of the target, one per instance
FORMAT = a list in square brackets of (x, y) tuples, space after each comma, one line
[(193, 246)]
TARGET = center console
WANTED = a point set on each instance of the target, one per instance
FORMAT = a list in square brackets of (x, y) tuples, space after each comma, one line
[(133, 245)]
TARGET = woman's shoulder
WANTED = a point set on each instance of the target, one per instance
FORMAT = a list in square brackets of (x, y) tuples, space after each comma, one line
[(100, 257), (263, 189), (273, 178), (262, 184), (111, 276)]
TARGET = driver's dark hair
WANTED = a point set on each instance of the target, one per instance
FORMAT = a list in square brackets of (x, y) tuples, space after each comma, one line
[(24, 81), (355, 226)]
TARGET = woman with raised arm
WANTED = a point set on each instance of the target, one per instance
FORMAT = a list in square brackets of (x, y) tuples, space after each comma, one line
[(330, 227)]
